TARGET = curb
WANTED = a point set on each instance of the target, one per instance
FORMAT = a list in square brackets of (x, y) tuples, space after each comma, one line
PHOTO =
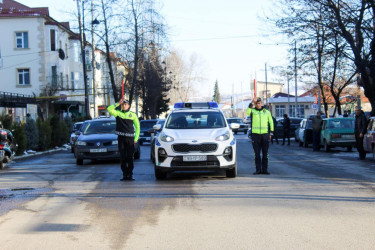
[(40, 153)]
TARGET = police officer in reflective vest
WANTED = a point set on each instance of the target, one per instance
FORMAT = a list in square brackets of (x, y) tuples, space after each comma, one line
[(126, 121), (261, 133)]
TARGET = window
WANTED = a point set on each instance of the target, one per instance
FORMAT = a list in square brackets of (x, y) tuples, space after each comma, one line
[(23, 76), (72, 79), (300, 111), (54, 76), (22, 40), (53, 39), (66, 50), (67, 81), (280, 110), (61, 81)]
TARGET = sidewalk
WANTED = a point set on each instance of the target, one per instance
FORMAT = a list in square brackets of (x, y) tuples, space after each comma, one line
[(31, 154)]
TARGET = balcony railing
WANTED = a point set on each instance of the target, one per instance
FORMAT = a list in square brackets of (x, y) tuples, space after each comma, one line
[(15, 100)]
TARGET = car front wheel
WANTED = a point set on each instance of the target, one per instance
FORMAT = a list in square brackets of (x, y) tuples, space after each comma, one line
[(231, 173), (160, 175), (79, 161)]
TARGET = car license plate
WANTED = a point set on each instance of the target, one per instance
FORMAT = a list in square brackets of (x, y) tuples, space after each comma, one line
[(194, 158), (98, 150)]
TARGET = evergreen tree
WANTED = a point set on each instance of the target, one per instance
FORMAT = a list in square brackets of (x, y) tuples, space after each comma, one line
[(216, 97), (32, 134)]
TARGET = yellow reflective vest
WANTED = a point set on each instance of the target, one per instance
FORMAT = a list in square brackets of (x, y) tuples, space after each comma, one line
[(261, 121), (125, 122)]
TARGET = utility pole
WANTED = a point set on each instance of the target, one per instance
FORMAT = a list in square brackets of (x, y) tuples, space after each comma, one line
[(82, 43), (288, 97), (93, 57), (295, 77), (265, 66)]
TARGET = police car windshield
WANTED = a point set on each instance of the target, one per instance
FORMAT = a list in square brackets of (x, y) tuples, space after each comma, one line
[(195, 120), (102, 127)]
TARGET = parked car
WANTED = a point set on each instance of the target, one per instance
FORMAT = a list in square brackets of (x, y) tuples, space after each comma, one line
[(305, 133), (337, 132), (369, 138), (243, 127), (294, 124), (154, 134), (73, 136), (247, 120), (296, 134), (145, 133), (98, 141)]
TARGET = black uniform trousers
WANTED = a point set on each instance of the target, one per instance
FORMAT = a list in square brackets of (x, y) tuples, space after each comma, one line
[(286, 134), (261, 143), (126, 149), (361, 150)]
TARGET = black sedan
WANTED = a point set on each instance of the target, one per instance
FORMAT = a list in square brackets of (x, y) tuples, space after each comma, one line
[(98, 141), (294, 124)]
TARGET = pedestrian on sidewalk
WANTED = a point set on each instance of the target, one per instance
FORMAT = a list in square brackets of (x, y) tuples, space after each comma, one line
[(286, 129), (261, 132), (360, 129), (316, 129), (274, 134), (126, 121)]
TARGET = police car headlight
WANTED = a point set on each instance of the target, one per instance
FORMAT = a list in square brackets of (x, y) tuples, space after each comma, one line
[(223, 137), (166, 138), (115, 142), (81, 143)]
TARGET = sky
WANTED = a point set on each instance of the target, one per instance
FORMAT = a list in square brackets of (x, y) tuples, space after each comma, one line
[(229, 37)]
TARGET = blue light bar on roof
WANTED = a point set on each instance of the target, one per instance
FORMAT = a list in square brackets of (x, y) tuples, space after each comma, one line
[(213, 105), (178, 105), (196, 105)]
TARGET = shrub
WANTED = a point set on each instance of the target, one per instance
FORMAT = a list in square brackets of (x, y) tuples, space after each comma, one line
[(6, 120), (45, 132), (20, 135), (32, 134), (60, 132)]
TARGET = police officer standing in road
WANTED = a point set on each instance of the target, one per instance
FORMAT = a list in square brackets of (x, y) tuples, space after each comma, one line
[(126, 121), (261, 132)]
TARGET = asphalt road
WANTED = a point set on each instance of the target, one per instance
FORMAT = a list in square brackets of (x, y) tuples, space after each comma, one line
[(311, 200)]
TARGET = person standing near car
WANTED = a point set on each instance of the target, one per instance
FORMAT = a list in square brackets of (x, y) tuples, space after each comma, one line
[(360, 129), (261, 132), (274, 134), (286, 129), (126, 121), (316, 129)]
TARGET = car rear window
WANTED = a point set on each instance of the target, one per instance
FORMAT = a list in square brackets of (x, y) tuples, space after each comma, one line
[(195, 120), (345, 123), (147, 124), (102, 127)]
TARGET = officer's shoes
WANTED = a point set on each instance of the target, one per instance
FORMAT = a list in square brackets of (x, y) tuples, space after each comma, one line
[(266, 172), (257, 172), (123, 179), (130, 178)]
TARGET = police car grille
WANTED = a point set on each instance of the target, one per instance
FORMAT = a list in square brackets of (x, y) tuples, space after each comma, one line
[(212, 161), (184, 148)]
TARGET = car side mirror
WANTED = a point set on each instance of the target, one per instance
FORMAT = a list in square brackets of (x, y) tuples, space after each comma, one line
[(234, 126), (157, 127), (77, 133)]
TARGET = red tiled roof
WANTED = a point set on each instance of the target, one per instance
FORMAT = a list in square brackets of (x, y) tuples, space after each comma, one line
[(10, 8)]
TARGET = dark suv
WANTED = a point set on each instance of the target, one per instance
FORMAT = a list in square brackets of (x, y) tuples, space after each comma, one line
[(146, 127)]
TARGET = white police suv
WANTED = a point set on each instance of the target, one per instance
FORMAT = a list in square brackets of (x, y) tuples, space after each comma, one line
[(195, 136)]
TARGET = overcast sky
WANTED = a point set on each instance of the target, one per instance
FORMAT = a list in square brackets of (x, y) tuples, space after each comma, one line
[(228, 36)]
